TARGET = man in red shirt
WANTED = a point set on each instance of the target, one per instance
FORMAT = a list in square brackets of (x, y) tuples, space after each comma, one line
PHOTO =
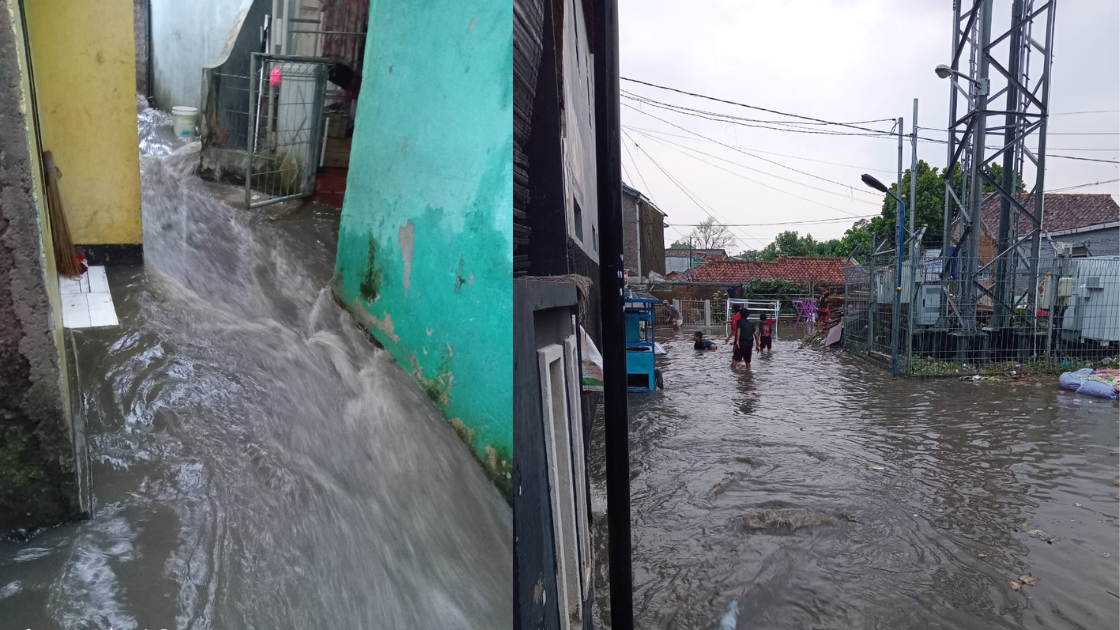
[(734, 326)]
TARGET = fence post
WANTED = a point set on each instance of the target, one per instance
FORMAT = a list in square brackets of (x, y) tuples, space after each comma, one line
[(708, 313), (914, 288), (871, 299)]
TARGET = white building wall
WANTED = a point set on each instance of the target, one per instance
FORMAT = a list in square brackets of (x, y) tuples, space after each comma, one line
[(579, 133)]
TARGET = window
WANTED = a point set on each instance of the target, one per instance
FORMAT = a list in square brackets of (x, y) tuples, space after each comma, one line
[(578, 218)]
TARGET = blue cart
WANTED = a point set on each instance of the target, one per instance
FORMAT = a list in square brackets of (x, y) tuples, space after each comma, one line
[(640, 372)]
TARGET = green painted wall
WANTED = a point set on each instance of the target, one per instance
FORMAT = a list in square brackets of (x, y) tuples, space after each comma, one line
[(425, 251)]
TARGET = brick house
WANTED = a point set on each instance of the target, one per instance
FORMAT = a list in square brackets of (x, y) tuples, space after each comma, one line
[(1089, 222), (643, 235)]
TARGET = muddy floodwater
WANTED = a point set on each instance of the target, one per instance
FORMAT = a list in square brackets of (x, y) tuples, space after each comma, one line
[(257, 461), (821, 494)]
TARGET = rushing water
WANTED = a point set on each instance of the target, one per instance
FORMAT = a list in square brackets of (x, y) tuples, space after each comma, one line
[(257, 461), (821, 494)]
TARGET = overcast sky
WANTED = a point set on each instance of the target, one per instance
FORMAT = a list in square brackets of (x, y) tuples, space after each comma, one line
[(840, 60)]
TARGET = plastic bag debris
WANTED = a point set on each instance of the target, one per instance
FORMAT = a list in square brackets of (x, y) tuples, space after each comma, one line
[(1038, 533), (730, 618)]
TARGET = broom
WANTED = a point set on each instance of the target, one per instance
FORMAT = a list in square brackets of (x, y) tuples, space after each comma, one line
[(66, 258)]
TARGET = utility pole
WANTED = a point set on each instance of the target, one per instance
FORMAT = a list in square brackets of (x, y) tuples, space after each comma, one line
[(914, 168), (896, 312), (608, 172)]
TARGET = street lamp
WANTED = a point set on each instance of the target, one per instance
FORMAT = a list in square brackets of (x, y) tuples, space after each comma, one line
[(896, 314), (944, 72)]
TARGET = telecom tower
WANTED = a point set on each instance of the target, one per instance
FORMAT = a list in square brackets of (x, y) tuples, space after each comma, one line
[(1006, 127)]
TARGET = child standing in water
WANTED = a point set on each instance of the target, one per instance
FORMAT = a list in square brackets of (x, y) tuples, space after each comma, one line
[(765, 328)]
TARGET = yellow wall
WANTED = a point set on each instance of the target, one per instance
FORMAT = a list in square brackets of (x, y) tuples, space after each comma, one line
[(41, 205), (83, 59)]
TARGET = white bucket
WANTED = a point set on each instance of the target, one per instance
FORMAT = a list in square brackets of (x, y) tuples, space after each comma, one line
[(185, 120)]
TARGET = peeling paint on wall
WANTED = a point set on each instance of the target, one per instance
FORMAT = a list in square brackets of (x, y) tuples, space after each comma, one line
[(407, 233), (434, 159)]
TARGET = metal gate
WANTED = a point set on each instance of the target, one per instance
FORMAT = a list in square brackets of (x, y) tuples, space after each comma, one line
[(286, 127)]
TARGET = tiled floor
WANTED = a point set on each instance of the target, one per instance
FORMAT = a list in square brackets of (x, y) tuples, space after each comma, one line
[(86, 302)]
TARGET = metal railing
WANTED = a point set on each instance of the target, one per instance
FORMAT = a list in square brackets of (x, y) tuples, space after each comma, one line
[(286, 135)]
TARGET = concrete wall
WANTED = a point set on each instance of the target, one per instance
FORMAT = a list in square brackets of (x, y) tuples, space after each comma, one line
[(84, 64), (653, 240), (651, 230), (630, 205), (425, 246), (187, 36), (1104, 242), (38, 481), (140, 41)]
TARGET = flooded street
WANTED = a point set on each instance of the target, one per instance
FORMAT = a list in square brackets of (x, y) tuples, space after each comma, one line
[(821, 494), (257, 462)]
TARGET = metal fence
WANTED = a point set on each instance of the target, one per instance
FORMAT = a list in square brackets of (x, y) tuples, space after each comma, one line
[(1070, 316), (694, 313), (286, 127)]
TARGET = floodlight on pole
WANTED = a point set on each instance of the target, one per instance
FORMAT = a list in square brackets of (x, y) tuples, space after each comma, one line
[(944, 72), (876, 184)]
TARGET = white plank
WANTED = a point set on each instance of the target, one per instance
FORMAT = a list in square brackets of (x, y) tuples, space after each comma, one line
[(101, 310)]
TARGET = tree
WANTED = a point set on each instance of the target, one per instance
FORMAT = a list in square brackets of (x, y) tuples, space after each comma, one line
[(679, 245), (750, 254), (929, 210), (793, 244), (710, 235)]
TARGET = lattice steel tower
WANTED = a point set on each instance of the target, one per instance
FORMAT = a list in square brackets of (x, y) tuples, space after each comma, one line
[(984, 135)]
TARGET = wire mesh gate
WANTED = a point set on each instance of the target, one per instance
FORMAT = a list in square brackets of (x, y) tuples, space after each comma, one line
[(286, 127)]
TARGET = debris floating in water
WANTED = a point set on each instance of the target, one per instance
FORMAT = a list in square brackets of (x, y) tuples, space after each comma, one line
[(1029, 579), (1038, 533), (730, 618), (785, 518)]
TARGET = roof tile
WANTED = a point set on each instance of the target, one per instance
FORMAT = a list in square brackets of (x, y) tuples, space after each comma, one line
[(791, 268), (1060, 211)]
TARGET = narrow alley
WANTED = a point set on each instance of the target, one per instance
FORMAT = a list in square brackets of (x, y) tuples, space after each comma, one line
[(257, 460), (820, 493)]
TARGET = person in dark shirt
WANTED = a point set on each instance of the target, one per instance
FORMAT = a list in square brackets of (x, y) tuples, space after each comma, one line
[(746, 338), (822, 307), (765, 328), (700, 343), (674, 315)]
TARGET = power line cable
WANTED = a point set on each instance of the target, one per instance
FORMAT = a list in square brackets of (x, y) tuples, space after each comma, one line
[(668, 142), (793, 157), (691, 196), (746, 122), (875, 133), (806, 222), (1107, 181), (749, 154), (755, 107)]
